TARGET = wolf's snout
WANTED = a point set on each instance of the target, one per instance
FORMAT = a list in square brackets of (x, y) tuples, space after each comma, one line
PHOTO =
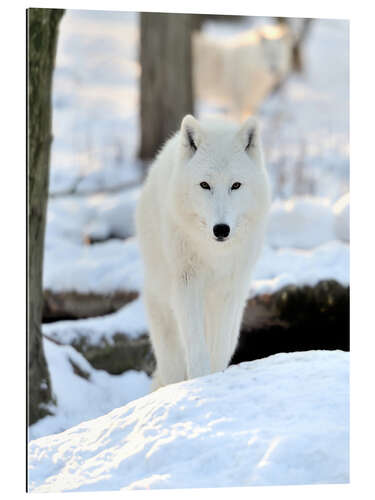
[(221, 231)]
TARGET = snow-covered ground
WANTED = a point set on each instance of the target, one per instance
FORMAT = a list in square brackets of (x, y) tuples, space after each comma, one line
[(95, 99), (96, 130), (102, 268), (79, 398), (279, 420), (130, 320)]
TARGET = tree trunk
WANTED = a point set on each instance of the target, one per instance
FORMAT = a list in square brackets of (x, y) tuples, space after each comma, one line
[(166, 79), (299, 39), (297, 53), (42, 37)]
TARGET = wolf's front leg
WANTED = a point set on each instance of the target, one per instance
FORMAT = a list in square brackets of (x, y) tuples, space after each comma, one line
[(225, 313), (189, 308)]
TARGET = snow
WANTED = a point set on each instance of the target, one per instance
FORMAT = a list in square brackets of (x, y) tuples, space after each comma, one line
[(300, 222), (129, 320), (102, 268), (95, 99), (79, 399), (72, 264), (114, 217), (76, 219), (279, 420), (292, 266)]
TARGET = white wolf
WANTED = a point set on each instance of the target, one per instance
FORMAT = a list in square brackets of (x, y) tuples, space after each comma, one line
[(200, 222), (240, 71)]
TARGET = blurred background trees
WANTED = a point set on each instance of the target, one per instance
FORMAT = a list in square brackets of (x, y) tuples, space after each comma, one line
[(166, 77), (42, 39), (300, 33), (167, 82)]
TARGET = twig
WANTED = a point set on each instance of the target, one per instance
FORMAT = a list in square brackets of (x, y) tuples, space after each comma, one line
[(114, 189)]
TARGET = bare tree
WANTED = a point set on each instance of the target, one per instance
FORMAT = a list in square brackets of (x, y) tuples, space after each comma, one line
[(303, 28), (42, 32), (166, 79)]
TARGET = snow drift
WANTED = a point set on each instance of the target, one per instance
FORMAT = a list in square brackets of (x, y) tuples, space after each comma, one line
[(82, 392), (279, 420)]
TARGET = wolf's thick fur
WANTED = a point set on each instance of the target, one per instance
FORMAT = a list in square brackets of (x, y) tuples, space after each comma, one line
[(196, 283)]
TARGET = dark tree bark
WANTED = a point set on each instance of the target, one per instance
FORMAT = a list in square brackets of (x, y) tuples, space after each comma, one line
[(297, 55), (200, 19), (300, 36), (166, 78), (42, 32)]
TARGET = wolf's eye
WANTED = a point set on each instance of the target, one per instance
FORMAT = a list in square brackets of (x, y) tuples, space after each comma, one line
[(204, 185), (236, 185)]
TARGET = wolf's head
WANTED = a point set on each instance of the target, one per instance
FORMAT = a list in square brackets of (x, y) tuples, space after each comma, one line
[(220, 183)]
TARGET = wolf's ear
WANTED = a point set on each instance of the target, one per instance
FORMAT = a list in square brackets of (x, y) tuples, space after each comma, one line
[(191, 133), (249, 135)]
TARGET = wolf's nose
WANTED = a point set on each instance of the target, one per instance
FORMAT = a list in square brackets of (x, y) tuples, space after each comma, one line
[(221, 230)]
